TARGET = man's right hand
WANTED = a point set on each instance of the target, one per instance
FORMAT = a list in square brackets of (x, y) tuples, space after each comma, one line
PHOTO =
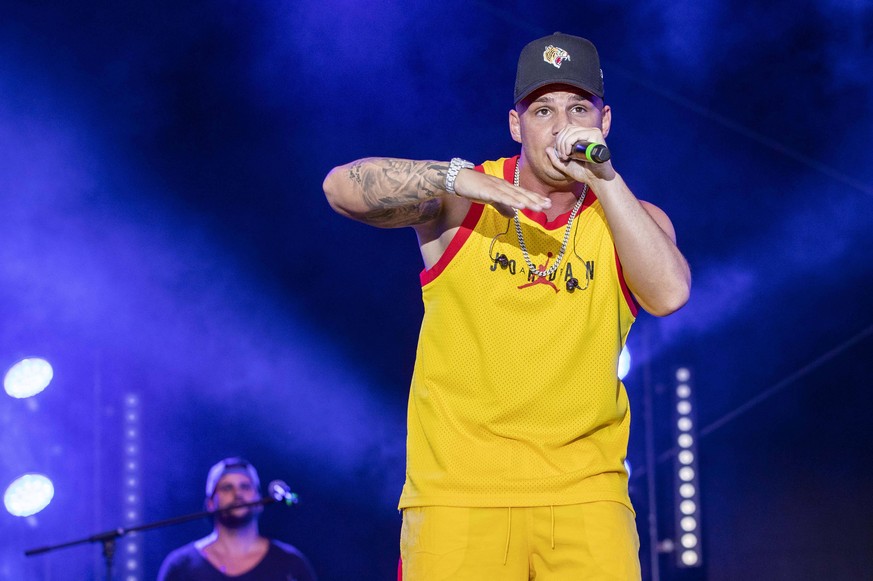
[(504, 196)]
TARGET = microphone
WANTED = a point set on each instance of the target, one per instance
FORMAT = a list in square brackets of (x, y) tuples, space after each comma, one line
[(281, 492), (593, 152)]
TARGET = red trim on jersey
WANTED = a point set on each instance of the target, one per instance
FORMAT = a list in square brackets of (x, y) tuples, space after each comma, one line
[(509, 168), (461, 236), (540, 217), (560, 221), (628, 296)]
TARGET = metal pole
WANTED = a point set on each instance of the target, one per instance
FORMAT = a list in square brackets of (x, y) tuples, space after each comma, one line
[(648, 405)]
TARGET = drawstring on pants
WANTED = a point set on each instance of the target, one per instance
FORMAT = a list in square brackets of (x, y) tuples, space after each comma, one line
[(552, 510), (508, 529)]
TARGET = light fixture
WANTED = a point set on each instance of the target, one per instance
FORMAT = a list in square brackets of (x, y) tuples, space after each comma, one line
[(132, 482), (686, 483), (28, 377), (28, 494)]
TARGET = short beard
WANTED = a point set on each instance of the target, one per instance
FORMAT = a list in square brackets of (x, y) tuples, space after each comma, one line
[(231, 521)]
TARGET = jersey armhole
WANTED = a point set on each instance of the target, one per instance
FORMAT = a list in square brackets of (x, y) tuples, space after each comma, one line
[(628, 295), (470, 220), (428, 275)]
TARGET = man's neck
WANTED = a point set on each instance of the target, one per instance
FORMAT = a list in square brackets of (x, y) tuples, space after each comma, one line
[(562, 199), (234, 551), (562, 195), (236, 540)]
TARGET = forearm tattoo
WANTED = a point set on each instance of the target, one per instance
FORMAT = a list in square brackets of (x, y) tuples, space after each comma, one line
[(398, 191)]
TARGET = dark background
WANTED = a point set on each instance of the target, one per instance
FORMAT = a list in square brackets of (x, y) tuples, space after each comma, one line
[(165, 237)]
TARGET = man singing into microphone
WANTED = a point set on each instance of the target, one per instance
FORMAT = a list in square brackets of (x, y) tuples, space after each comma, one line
[(533, 269), (235, 549)]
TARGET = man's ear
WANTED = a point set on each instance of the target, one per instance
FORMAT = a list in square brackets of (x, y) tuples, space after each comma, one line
[(514, 126), (606, 120)]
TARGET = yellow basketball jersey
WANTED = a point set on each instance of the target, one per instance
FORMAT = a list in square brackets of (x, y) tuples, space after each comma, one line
[(515, 398)]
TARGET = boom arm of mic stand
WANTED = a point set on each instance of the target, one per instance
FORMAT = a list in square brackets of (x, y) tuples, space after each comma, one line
[(111, 535)]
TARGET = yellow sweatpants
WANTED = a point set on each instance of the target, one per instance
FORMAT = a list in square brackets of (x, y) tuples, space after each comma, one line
[(581, 542)]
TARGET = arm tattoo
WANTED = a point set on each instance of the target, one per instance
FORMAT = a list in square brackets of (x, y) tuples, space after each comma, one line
[(399, 192), (355, 173)]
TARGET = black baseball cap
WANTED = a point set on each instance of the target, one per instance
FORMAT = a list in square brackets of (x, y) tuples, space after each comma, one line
[(558, 59)]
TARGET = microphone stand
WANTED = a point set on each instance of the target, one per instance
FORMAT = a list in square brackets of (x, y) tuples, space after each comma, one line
[(109, 538)]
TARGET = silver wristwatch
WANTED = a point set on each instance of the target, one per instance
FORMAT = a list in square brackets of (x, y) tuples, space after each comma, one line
[(456, 165)]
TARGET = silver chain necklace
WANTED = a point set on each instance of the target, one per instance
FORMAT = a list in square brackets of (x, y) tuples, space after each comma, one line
[(569, 227)]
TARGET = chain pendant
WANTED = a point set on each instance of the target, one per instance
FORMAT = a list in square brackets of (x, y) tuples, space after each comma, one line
[(552, 269)]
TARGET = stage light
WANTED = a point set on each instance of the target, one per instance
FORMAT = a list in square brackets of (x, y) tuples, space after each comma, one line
[(28, 494), (131, 491), (690, 558), (28, 377), (687, 489), (624, 362), (688, 523), (689, 540), (687, 507)]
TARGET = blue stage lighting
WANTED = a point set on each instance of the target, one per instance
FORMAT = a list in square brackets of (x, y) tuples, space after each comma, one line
[(28, 494), (28, 377)]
